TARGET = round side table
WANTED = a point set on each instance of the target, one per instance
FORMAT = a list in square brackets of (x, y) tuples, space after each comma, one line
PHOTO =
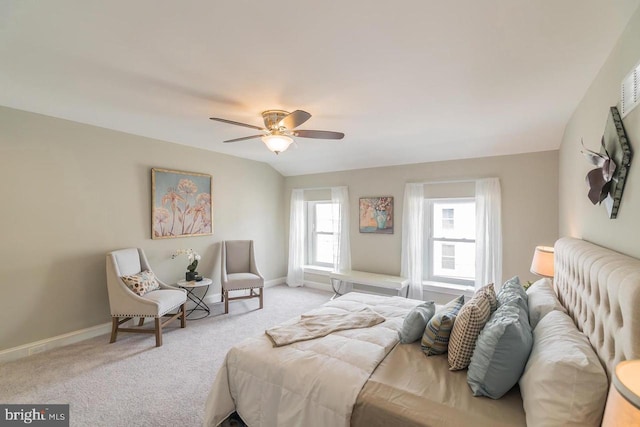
[(200, 305)]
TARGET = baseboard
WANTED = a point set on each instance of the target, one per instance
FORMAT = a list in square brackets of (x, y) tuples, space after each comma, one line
[(84, 334), (53, 342), (275, 282), (318, 285), (214, 298)]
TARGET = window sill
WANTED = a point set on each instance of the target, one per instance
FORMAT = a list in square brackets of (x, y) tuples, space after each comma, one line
[(316, 269), (449, 288)]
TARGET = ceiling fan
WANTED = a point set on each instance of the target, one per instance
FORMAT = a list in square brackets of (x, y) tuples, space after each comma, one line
[(279, 128)]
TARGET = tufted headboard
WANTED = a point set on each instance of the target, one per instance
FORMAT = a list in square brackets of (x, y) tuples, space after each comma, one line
[(600, 289)]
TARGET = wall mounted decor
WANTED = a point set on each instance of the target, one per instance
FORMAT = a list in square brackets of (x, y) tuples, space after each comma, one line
[(376, 215), (181, 204), (606, 181)]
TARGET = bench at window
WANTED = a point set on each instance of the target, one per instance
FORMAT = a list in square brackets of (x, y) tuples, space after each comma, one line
[(397, 283)]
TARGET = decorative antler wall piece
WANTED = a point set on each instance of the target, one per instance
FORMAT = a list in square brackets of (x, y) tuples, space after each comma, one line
[(599, 179), (606, 181)]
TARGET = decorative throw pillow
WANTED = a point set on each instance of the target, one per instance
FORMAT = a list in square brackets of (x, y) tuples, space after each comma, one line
[(490, 292), (501, 351), (435, 339), (469, 322), (563, 383), (512, 289), (415, 322), (141, 283), (542, 299)]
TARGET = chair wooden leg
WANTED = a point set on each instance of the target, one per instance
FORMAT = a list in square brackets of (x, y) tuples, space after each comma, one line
[(226, 301), (114, 329), (183, 317), (261, 294), (158, 332), (141, 321)]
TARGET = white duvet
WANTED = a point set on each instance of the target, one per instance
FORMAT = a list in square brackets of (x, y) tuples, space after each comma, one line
[(308, 383)]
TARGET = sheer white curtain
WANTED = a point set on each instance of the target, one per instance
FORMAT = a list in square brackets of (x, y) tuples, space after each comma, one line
[(295, 273), (488, 233), (341, 241), (413, 238)]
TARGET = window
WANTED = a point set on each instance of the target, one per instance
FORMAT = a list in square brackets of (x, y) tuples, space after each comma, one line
[(447, 219), (320, 225), (630, 91), (450, 253)]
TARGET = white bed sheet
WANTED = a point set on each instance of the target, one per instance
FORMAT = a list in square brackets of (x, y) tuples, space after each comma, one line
[(310, 383)]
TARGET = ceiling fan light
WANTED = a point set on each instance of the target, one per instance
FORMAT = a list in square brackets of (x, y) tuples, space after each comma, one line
[(277, 143)]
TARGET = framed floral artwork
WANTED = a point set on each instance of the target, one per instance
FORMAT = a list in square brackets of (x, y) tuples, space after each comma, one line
[(182, 204), (376, 215)]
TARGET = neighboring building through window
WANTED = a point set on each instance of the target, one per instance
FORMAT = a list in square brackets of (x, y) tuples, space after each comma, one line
[(450, 252), (448, 257), (447, 218), (320, 225)]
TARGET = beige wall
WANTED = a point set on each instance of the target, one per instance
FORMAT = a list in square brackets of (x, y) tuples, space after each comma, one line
[(529, 202), (72, 192), (578, 217)]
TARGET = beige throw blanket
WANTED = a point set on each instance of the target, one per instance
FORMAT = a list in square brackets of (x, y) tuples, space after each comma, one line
[(319, 325)]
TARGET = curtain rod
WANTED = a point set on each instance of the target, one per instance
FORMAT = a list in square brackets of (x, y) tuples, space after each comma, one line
[(453, 181), (319, 188)]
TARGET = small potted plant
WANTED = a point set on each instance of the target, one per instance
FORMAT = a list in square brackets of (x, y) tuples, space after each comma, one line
[(193, 258)]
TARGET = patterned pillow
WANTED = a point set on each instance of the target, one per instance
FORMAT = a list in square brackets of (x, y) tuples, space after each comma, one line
[(490, 292), (435, 339), (141, 283), (469, 322)]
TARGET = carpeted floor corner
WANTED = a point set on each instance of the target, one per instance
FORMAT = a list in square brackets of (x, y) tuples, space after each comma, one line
[(133, 383)]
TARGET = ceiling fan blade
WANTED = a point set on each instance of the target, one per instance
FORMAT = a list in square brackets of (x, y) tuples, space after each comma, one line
[(243, 138), (231, 122), (295, 119), (319, 134)]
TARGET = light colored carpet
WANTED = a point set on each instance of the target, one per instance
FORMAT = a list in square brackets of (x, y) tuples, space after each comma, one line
[(133, 383)]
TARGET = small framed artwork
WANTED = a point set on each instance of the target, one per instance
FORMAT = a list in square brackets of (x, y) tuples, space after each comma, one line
[(182, 205), (376, 215)]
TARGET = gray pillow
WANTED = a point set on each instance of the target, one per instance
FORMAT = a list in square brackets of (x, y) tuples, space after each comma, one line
[(512, 289), (501, 352), (416, 321)]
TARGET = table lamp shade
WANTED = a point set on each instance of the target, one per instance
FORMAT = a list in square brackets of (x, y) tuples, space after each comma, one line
[(623, 403), (542, 263)]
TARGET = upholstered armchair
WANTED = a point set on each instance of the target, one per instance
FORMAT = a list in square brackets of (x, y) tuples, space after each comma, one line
[(143, 295), (240, 272)]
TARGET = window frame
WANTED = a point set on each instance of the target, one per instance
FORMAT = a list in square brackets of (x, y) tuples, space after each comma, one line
[(312, 234), (430, 239)]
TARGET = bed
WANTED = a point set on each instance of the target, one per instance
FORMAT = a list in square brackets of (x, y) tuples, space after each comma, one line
[(363, 377)]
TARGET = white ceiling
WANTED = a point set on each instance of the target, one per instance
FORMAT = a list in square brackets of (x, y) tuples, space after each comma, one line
[(407, 81)]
